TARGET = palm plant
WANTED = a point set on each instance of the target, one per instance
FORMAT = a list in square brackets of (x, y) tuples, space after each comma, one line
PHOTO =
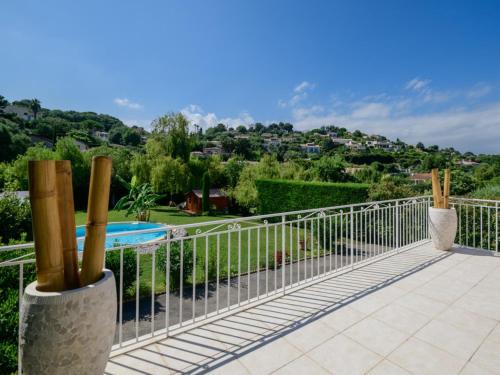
[(139, 201), (35, 107)]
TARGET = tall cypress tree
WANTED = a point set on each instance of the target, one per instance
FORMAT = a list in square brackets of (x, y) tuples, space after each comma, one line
[(205, 187)]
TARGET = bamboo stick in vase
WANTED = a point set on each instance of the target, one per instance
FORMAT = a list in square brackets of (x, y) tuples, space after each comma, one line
[(46, 225), (446, 188), (97, 218), (436, 189), (67, 220)]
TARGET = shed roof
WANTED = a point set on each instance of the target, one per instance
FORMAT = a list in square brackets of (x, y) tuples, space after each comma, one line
[(214, 193)]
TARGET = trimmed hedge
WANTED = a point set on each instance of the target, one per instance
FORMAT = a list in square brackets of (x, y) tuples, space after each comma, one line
[(291, 195)]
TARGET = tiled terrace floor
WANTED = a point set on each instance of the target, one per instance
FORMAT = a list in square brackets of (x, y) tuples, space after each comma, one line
[(417, 312)]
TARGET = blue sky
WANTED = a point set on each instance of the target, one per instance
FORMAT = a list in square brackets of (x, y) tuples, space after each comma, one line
[(419, 70)]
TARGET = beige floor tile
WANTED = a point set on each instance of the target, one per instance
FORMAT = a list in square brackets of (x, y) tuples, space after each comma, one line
[(342, 318), (472, 369), (456, 341), (303, 366), (310, 335), (421, 304), (117, 369), (368, 304), (421, 358), (488, 356), (341, 355), (467, 320), (376, 336), (480, 306), (388, 368), (401, 318), (231, 367), (269, 357), (495, 334)]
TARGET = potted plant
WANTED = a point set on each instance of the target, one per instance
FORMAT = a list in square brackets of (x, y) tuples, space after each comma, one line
[(67, 316), (442, 218)]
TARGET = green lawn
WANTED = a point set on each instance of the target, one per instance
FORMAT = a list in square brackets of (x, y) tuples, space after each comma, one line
[(161, 214)]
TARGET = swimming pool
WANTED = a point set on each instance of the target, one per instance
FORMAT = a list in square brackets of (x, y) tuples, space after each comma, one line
[(129, 239)]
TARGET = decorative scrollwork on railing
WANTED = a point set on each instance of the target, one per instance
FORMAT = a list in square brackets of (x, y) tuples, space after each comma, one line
[(233, 226)]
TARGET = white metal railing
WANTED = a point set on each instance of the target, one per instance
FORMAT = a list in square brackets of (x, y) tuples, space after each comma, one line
[(203, 270), (477, 223)]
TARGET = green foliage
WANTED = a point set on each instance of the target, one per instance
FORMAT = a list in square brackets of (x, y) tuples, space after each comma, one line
[(490, 191), (462, 182), (12, 141), (139, 201), (175, 261), (331, 169), (169, 176), (282, 195), (206, 192), (172, 131), (15, 216), (389, 188), (129, 268)]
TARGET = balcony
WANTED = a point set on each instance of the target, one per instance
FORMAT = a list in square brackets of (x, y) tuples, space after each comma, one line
[(351, 289)]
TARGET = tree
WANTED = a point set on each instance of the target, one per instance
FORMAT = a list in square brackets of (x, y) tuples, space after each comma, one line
[(169, 176), (206, 192), (35, 107), (331, 169), (131, 137), (174, 128), (3, 103), (139, 200)]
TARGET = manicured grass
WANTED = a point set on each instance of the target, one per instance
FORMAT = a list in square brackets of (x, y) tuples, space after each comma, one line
[(161, 214)]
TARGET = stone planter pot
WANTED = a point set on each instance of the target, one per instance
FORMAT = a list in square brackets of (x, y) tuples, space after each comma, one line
[(68, 332), (442, 227)]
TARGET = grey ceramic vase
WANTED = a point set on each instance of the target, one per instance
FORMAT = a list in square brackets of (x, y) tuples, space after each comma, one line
[(442, 227), (68, 332)]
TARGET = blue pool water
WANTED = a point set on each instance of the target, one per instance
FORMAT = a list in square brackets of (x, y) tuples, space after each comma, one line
[(129, 239)]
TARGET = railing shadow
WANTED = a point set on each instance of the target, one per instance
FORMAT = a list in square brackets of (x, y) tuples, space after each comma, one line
[(216, 344)]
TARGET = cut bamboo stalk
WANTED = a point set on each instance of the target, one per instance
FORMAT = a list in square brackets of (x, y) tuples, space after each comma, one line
[(67, 220), (46, 225), (97, 218), (436, 189), (446, 188)]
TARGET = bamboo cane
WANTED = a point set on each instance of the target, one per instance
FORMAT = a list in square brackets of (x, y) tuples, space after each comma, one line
[(97, 218), (67, 220), (436, 189), (446, 188), (46, 225)]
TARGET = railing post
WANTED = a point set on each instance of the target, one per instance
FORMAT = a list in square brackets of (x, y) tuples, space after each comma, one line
[(283, 251), (351, 218), (397, 225), (496, 225)]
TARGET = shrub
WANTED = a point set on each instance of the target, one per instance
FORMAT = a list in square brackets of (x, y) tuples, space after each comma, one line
[(15, 217), (129, 268), (490, 191), (175, 262), (282, 195)]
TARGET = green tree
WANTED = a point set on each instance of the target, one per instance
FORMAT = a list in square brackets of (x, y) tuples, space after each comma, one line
[(331, 169), (206, 192), (174, 127), (169, 176), (3, 103), (35, 107)]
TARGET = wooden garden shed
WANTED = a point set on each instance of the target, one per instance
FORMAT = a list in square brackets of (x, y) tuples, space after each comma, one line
[(217, 199)]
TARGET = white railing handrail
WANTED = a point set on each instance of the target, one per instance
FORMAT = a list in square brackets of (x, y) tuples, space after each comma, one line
[(228, 221)]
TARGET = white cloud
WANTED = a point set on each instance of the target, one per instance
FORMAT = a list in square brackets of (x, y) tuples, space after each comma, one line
[(145, 123), (124, 102), (300, 92), (303, 86), (417, 84), (467, 129), (371, 110), (196, 115), (479, 90)]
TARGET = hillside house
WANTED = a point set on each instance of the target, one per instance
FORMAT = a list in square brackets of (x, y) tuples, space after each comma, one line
[(420, 177), (103, 136), (22, 112), (271, 142), (217, 199), (310, 148)]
